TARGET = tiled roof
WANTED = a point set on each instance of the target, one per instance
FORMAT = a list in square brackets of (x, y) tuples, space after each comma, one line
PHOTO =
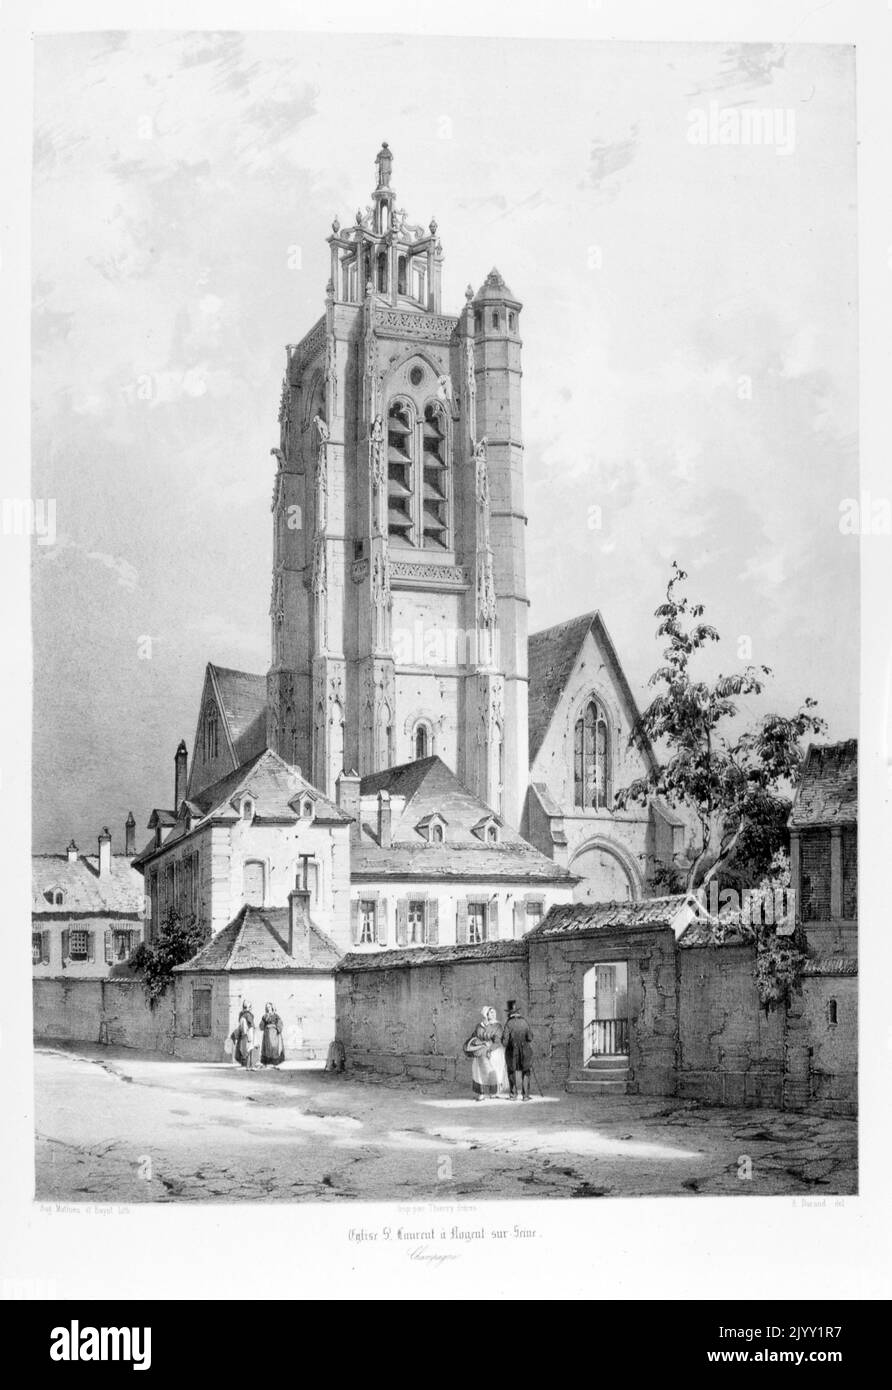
[(429, 789), (243, 701), (565, 919), (433, 955), (122, 893), (274, 785), (827, 793), (551, 657), (257, 939)]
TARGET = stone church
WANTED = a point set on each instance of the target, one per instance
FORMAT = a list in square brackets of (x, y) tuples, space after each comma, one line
[(399, 608)]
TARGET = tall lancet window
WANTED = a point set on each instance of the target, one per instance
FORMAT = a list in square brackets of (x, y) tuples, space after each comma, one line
[(400, 471), (592, 770), (434, 502)]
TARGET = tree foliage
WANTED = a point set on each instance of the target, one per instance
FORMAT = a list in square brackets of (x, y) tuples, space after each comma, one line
[(180, 939), (731, 784)]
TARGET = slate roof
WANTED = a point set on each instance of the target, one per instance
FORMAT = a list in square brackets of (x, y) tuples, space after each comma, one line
[(242, 697), (273, 783), (433, 955), (827, 793), (431, 788), (257, 939), (122, 894), (568, 918), (551, 657)]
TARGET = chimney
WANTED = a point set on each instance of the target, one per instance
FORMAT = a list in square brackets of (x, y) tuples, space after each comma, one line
[(179, 782), (72, 853), (384, 814), (105, 853), (130, 836), (299, 926), (347, 788)]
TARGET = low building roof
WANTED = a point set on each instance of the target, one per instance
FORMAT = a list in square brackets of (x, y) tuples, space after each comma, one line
[(120, 894), (430, 789), (568, 919), (257, 939), (432, 955), (827, 793), (830, 965)]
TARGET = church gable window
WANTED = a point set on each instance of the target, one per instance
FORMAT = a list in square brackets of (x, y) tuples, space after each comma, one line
[(211, 733), (591, 758)]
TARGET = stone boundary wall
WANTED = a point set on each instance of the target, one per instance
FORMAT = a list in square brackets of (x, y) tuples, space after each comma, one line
[(109, 1011)]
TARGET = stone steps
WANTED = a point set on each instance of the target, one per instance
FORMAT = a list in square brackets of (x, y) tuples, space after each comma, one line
[(610, 1076)]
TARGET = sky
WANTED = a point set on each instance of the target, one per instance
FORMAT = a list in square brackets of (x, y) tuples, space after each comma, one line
[(689, 348)]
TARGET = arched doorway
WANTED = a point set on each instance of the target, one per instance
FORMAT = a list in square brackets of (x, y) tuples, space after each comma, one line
[(604, 875)]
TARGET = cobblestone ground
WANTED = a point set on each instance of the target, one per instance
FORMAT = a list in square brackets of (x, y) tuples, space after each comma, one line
[(123, 1126)]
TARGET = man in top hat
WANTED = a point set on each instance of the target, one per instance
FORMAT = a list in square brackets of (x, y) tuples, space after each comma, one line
[(517, 1041)]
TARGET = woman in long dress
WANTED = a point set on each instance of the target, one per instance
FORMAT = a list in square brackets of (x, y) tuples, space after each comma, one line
[(244, 1044), (489, 1075), (272, 1050)]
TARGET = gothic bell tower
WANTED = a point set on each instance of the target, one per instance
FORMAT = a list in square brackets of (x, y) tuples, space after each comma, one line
[(398, 601)]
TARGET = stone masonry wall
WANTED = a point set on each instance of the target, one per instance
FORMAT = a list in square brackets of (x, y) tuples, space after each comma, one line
[(112, 1011), (413, 1020)]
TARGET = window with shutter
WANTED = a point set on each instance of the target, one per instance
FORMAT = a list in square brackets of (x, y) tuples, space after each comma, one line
[(416, 916), (79, 944), (432, 922), (520, 920), (461, 922), (368, 923), (492, 924), (382, 921), (356, 922), (109, 947), (91, 939), (402, 922), (66, 945), (476, 924), (36, 948), (45, 947)]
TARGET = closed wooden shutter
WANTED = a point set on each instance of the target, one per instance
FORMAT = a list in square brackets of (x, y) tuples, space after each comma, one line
[(45, 947), (381, 921), (492, 920), (66, 946), (109, 947), (461, 922), (520, 919), (355, 921), (91, 953), (402, 921), (432, 922)]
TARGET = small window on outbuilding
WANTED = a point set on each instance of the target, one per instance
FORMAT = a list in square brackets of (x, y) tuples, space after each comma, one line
[(437, 833), (832, 1013), (201, 1012)]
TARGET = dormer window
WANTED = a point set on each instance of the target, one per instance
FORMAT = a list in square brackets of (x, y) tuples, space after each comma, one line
[(432, 828), (247, 809), (488, 830), (307, 809), (54, 896)]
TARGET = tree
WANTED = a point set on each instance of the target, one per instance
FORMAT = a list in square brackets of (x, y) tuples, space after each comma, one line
[(732, 785), (180, 939)]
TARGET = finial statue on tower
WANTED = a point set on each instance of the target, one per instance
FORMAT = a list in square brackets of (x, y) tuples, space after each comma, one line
[(384, 161)]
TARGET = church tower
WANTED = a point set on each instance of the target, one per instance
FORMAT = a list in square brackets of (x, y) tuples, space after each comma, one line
[(398, 599)]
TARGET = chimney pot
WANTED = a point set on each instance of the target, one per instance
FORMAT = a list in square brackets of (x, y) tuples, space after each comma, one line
[(72, 852), (384, 819), (130, 835), (299, 926), (347, 789), (105, 853), (181, 762)]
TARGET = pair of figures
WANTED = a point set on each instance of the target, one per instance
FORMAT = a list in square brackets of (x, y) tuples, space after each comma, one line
[(247, 1038), (500, 1053)]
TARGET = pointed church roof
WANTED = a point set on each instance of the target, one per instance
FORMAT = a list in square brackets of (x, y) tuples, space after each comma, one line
[(551, 658), (242, 700)]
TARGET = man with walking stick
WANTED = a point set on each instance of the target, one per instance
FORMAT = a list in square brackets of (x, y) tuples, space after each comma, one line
[(517, 1041)]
